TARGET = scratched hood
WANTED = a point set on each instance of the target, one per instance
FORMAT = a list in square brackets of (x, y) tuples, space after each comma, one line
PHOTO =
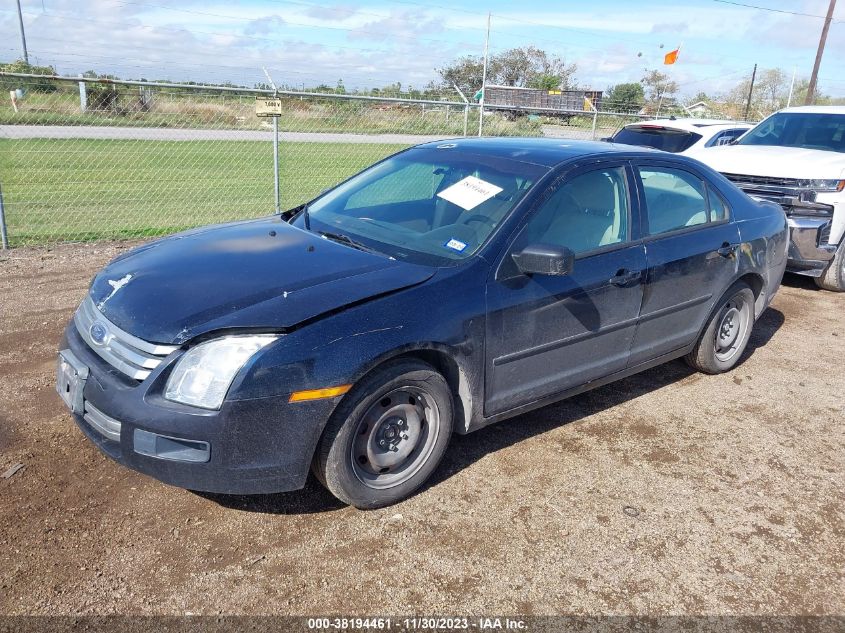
[(256, 274)]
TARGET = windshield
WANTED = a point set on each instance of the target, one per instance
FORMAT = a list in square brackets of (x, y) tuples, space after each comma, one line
[(657, 137), (425, 205), (798, 129)]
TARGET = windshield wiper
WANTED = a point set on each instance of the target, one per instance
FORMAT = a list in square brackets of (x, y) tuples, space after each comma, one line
[(340, 238)]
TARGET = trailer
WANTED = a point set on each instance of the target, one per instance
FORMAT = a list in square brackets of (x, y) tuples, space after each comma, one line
[(514, 101)]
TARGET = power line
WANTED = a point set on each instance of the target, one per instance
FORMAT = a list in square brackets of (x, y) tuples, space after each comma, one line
[(771, 10)]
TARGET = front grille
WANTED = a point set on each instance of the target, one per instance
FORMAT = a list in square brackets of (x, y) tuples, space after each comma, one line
[(126, 353), (792, 183), (790, 193)]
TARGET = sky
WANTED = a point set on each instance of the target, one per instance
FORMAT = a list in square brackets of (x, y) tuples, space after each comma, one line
[(373, 43)]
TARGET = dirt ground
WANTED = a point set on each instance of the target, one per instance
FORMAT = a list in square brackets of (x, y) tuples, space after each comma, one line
[(667, 493)]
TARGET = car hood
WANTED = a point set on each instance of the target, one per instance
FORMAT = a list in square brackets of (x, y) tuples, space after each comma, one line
[(261, 274), (777, 162)]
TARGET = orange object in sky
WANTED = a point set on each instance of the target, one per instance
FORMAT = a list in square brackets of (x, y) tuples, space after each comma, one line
[(671, 57)]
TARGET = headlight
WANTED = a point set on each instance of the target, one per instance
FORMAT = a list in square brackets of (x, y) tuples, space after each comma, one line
[(203, 374), (823, 185)]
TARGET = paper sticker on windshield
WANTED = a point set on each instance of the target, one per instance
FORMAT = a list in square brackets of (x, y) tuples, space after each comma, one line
[(469, 192), (455, 245)]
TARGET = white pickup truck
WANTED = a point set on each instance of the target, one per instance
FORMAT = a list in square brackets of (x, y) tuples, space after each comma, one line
[(796, 157)]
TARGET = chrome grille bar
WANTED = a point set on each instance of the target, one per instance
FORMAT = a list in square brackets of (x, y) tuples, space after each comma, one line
[(103, 424), (128, 354)]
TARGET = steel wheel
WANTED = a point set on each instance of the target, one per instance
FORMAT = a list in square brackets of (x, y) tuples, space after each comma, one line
[(733, 321), (395, 437)]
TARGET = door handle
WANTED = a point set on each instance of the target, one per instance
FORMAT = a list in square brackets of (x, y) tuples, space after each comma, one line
[(727, 249), (625, 277)]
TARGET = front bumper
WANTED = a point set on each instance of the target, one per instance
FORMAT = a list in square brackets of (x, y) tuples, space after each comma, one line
[(261, 445), (809, 252)]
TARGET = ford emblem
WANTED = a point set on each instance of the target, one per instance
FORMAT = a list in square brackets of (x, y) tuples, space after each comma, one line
[(98, 332)]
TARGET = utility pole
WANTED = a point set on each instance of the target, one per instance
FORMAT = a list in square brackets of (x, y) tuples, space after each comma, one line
[(810, 99), (484, 78), (791, 87), (750, 92), (23, 34)]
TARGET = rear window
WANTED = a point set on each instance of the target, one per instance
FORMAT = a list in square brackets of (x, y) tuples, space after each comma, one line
[(657, 137)]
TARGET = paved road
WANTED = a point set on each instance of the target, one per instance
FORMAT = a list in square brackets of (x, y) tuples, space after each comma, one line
[(166, 134)]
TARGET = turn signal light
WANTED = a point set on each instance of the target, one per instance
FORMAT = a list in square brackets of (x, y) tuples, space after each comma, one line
[(318, 394)]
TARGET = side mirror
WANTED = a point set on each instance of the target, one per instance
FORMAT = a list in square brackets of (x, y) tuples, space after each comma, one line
[(607, 139), (544, 259)]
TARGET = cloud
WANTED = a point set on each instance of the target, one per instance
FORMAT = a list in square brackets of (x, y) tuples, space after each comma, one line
[(676, 28), (264, 26), (336, 12)]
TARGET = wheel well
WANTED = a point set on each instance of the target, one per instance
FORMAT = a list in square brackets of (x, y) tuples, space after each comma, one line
[(755, 282), (455, 378)]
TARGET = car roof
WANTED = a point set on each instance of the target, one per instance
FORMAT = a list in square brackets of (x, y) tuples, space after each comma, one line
[(693, 125), (816, 109), (546, 152)]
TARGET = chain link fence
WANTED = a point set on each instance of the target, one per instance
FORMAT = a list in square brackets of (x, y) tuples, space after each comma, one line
[(87, 159)]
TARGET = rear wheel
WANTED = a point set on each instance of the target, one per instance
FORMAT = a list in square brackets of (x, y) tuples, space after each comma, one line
[(727, 332), (834, 277), (387, 437)]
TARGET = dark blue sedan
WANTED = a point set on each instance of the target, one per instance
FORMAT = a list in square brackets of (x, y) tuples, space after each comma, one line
[(447, 287)]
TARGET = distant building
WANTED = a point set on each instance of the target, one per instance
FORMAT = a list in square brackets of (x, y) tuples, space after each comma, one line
[(699, 109)]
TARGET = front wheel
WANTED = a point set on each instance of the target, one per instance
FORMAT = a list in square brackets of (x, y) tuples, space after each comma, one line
[(387, 437), (834, 277), (727, 332)]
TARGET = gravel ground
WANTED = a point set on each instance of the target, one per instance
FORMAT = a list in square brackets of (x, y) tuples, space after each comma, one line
[(666, 493)]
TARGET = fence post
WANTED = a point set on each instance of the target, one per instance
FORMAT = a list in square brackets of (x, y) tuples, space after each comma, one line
[(4, 233), (466, 107), (276, 164), (595, 121), (83, 96)]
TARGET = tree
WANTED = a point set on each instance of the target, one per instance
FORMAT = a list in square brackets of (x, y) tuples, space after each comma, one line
[(660, 91), (466, 73), (771, 93), (36, 85), (628, 97), (528, 67)]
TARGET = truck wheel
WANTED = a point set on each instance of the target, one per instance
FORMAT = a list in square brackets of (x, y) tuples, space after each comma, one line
[(834, 277), (727, 332), (387, 437)]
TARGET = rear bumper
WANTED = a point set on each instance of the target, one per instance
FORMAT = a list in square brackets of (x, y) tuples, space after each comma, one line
[(809, 252), (262, 445)]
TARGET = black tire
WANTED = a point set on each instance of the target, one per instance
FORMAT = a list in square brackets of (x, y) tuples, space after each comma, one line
[(726, 334), (834, 277), (387, 436)]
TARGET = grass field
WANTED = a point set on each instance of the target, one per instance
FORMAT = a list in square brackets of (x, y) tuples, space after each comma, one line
[(73, 190), (226, 112)]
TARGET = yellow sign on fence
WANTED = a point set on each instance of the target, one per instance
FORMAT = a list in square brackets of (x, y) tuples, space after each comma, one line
[(268, 106)]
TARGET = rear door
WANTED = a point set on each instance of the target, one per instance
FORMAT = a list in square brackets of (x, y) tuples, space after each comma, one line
[(547, 334), (691, 246)]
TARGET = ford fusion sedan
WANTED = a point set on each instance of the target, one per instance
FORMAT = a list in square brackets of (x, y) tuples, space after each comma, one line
[(447, 287)]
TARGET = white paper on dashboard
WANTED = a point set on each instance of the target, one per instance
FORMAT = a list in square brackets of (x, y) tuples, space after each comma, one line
[(469, 192)]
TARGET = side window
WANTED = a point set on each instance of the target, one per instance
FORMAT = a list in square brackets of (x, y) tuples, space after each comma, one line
[(675, 199), (718, 206), (584, 213), (417, 181)]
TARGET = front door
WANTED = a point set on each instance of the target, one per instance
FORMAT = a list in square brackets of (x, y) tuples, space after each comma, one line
[(692, 246), (547, 334)]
